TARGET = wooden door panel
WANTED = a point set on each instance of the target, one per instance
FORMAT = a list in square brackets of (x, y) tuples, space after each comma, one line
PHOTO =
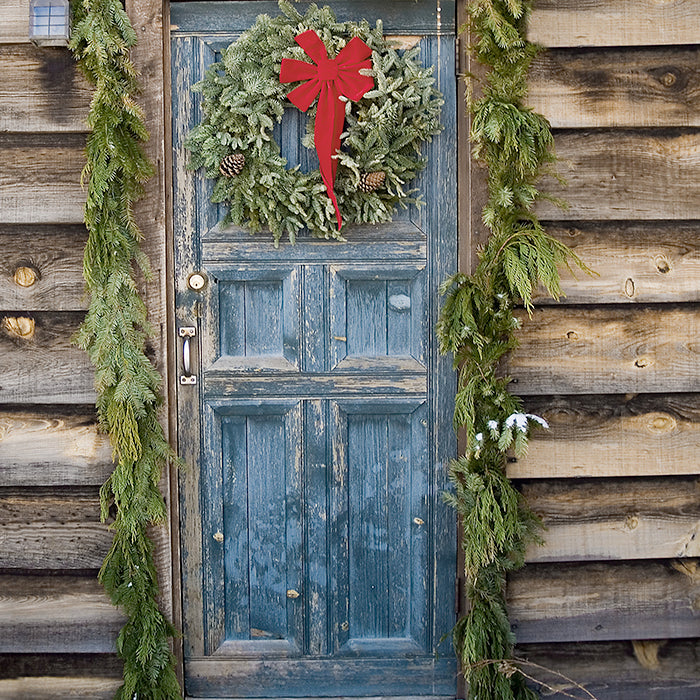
[(318, 556)]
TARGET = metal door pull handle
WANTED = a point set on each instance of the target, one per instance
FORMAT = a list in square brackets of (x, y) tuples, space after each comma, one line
[(187, 333)]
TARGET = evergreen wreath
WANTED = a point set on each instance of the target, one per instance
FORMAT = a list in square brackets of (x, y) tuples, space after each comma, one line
[(477, 325), (114, 334), (243, 98)]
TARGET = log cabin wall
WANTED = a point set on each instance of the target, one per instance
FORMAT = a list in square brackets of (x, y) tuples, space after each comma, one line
[(57, 627), (613, 598)]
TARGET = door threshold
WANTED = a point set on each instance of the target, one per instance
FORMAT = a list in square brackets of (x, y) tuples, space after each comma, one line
[(337, 697)]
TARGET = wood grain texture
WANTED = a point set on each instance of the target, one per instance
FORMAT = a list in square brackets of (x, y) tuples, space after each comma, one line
[(52, 688), (55, 254), (40, 178), (41, 90), (604, 601), (146, 17), (600, 519), (612, 87), (608, 435), (611, 23), (54, 446), (625, 174), (610, 349), (634, 261), (52, 532), (56, 614), (46, 368), (14, 27), (611, 671)]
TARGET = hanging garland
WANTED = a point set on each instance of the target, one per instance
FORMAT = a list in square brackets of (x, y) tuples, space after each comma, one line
[(390, 108), (477, 325), (114, 334)]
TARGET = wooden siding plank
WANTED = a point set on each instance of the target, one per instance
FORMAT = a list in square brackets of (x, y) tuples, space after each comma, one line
[(605, 601), (640, 175), (14, 27), (56, 614), (54, 446), (52, 532), (612, 87), (598, 436), (55, 254), (45, 367), (51, 688), (41, 90), (616, 518), (613, 349), (611, 671), (614, 23), (40, 178), (634, 261)]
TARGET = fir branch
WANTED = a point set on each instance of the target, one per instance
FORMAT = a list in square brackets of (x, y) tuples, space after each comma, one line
[(477, 325), (114, 335)]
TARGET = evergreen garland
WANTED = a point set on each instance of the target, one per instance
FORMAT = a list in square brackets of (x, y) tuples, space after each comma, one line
[(243, 99), (477, 325), (114, 334)]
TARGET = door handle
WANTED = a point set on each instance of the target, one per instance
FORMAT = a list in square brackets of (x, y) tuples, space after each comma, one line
[(187, 333)]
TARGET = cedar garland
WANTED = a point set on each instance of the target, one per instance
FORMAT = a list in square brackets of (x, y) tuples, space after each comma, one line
[(114, 334), (477, 325)]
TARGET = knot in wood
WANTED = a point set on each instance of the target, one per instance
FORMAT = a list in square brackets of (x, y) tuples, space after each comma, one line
[(19, 327), (25, 276)]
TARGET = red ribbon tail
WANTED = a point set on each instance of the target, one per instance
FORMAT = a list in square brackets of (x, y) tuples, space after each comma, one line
[(330, 112)]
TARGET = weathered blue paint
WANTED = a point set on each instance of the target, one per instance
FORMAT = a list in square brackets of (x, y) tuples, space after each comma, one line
[(320, 428)]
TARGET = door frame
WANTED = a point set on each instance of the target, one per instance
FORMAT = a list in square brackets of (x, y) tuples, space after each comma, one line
[(471, 195)]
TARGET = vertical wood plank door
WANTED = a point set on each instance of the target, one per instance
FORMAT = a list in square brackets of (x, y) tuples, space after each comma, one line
[(318, 558)]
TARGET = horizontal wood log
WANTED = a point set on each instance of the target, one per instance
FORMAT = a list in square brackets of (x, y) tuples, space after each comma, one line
[(47, 367), (14, 27), (42, 270), (60, 665), (54, 446), (634, 262), (605, 601), (611, 671), (613, 349), (612, 23), (600, 519), (52, 688), (56, 614), (40, 178), (636, 435), (611, 87), (52, 532), (617, 174), (55, 255), (41, 89)]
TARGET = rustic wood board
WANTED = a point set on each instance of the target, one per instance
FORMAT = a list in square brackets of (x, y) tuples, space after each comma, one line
[(14, 27), (636, 435), (55, 253), (50, 688), (41, 90), (625, 174), (605, 601), (634, 261), (54, 446), (616, 87), (589, 520), (56, 614), (611, 671), (40, 178), (60, 665), (611, 23), (611, 349), (52, 532), (47, 367)]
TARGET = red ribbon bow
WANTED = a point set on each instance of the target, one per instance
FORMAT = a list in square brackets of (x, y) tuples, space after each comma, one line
[(332, 78)]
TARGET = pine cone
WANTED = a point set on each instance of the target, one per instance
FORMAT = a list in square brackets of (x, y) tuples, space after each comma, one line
[(369, 182), (232, 165)]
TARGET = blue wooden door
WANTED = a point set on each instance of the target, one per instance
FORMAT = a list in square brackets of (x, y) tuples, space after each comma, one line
[(317, 556)]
